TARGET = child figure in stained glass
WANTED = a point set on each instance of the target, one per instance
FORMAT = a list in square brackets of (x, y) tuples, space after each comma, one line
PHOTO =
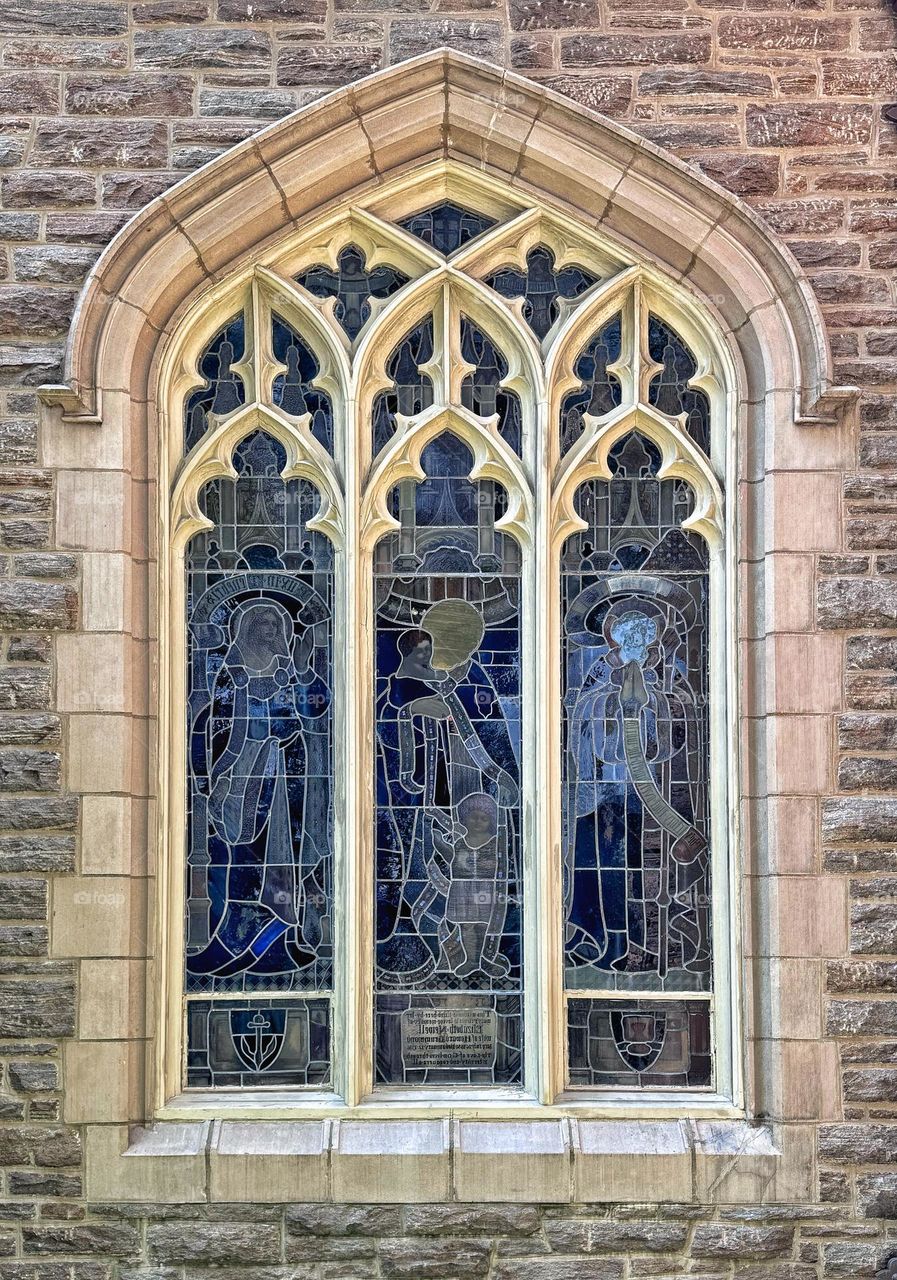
[(264, 763), (471, 868)]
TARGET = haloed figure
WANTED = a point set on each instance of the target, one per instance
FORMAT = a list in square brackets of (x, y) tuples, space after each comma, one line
[(265, 743)]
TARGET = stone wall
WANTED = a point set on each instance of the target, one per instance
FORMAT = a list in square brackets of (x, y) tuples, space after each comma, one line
[(106, 105)]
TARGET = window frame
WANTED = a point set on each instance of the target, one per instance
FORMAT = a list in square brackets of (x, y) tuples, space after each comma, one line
[(352, 390)]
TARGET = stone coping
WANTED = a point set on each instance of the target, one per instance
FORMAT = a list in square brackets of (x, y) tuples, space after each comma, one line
[(559, 1160)]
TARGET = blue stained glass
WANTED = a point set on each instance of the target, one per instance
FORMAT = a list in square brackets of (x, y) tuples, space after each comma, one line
[(448, 817), (481, 391), (293, 391), (260, 655), (669, 390), (224, 390), (445, 227), (412, 391), (353, 286), (601, 392), (636, 822), (541, 285)]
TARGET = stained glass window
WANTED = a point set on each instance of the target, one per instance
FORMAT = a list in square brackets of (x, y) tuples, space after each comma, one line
[(669, 390), (448, 985), (259, 841), (353, 286), (294, 391), (445, 227), (601, 392), (634, 600), (541, 286), (378, 795), (481, 390), (223, 391), (412, 390)]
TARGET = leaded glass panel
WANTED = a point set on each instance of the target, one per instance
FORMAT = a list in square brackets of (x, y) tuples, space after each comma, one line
[(259, 863), (412, 391), (223, 391), (600, 392), (448, 984), (293, 391), (445, 227), (636, 737), (353, 286), (642, 1044), (669, 390), (541, 286), (481, 391)]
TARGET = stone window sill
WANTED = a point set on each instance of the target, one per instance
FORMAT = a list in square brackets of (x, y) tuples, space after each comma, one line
[(548, 1160)]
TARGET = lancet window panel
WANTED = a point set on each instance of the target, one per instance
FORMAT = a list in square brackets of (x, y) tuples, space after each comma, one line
[(259, 900), (449, 975), (455, 592)]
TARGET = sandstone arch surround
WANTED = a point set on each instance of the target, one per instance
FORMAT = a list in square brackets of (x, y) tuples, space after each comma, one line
[(439, 114)]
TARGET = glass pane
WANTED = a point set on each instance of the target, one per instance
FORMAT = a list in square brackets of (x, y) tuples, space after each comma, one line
[(412, 391), (353, 286), (265, 1043), (448, 815), (669, 390), (601, 392), (293, 391), (481, 391), (540, 286), (639, 1044), (445, 227), (636, 735), (259, 787), (224, 390)]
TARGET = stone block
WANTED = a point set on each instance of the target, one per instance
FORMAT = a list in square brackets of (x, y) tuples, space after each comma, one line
[(166, 1165), (38, 1007), (269, 1161), (98, 916), (390, 1161), (111, 1002), (734, 1162), (520, 1160), (642, 1160), (201, 48), (858, 1143), (100, 1081)]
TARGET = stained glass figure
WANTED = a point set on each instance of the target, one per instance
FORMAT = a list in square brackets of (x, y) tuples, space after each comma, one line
[(541, 285), (412, 391), (601, 392), (448, 816), (636, 735), (259, 865), (293, 391), (445, 227), (224, 390), (626, 1044), (669, 390), (481, 391), (353, 286)]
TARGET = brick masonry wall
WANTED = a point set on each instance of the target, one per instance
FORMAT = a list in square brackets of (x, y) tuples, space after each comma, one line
[(104, 105)]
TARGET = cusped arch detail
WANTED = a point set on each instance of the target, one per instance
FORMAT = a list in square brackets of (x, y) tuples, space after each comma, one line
[(414, 120)]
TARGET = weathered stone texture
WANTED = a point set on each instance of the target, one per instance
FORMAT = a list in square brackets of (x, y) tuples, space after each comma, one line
[(105, 105)]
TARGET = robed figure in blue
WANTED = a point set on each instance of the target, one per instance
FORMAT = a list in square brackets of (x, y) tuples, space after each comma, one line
[(265, 747)]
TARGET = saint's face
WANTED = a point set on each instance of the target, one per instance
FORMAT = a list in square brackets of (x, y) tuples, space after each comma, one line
[(422, 653)]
